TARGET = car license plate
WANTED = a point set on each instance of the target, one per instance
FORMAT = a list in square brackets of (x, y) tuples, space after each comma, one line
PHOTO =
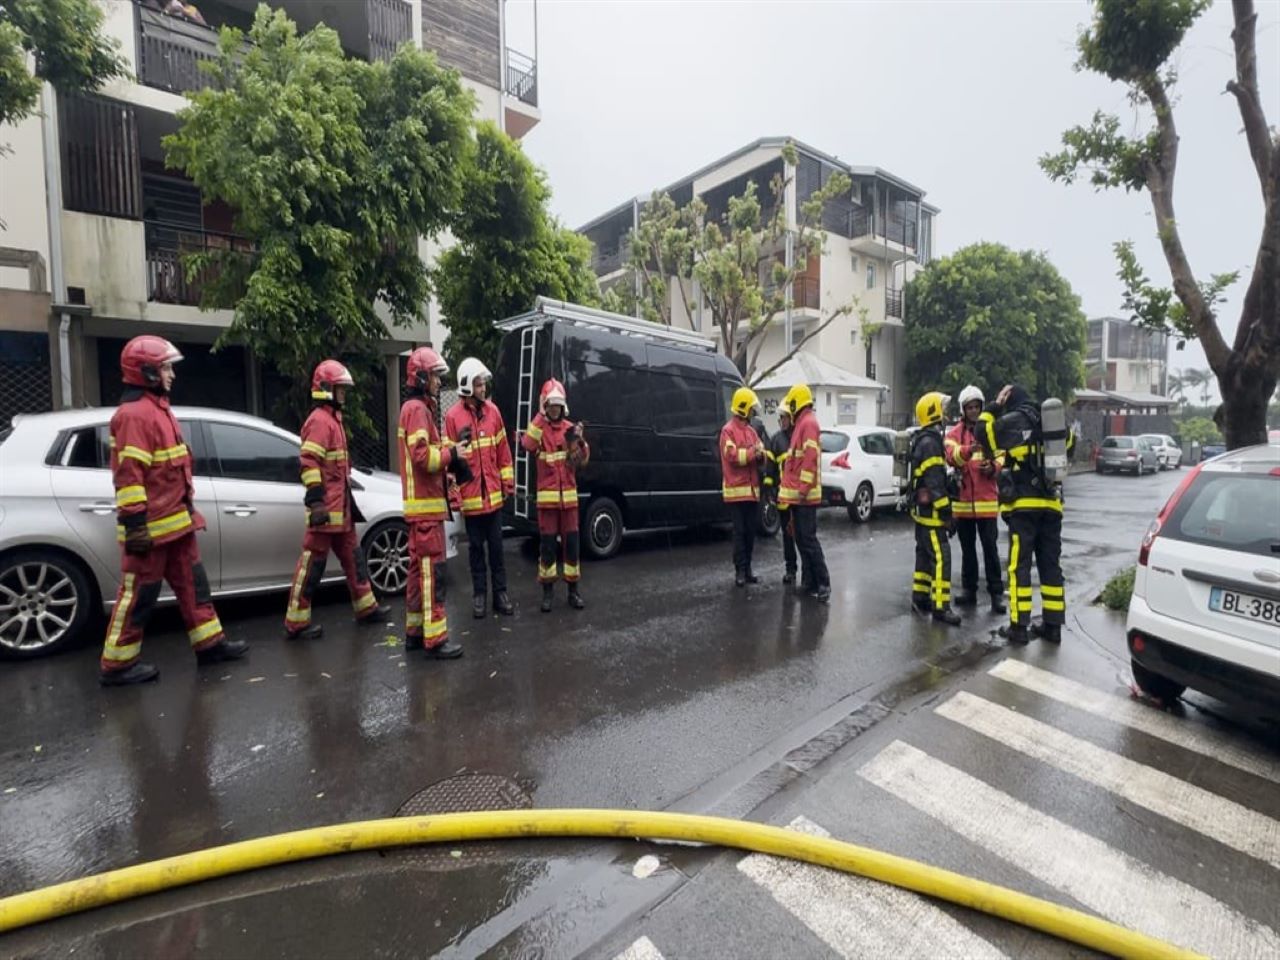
[(1245, 606)]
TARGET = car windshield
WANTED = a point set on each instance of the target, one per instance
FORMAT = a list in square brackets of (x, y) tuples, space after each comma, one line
[(833, 441), (1230, 511), (1112, 443)]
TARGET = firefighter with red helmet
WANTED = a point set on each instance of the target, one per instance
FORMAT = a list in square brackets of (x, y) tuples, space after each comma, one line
[(561, 449), (493, 479), (331, 510), (157, 520), (424, 461)]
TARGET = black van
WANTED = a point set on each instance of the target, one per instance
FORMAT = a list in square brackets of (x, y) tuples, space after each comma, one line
[(653, 400)]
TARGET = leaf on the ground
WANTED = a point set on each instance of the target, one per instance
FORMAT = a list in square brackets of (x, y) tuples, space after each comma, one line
[(38, 747), (325, 675), (320, 795), (391, 641), (646, 866), (255, 679), (492, 675), (290, 674), (506, 629), (456, 854), (257, 746), (11, 790)]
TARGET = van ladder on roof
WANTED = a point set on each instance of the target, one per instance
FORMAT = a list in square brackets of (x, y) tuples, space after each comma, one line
[(525, 391), (603, 320)]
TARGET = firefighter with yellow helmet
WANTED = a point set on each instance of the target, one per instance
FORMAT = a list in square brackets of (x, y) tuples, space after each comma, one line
[(932, 512), (801, 491), (741, 454)]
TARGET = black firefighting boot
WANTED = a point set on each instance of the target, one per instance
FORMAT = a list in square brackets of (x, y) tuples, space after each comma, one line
[(921, 606), (751, 577), (822, 594), (789, 577), (739, 577), (575, 598), (224, 649), (945, 614), (479, 605), (967, 598), (412, 643), (502, 605), (1048, 632), (136, 672), (375, 617), (312, 631), (444, 651), (547, 590), (1015, 633), (997, 603)]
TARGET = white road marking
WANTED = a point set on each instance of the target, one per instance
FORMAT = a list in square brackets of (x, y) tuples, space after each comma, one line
[(1224, 820), (1178, 731), (1106, 880), (642, 949), (857, 917)]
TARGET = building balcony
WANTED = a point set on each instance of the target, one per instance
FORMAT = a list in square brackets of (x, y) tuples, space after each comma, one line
[(166, 244), (893, 305), (886, 238), (520, 89), (171, 49)]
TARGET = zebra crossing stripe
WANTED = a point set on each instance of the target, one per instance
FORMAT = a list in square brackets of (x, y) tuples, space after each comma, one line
[(1108, 881), (642, 949), (1140, 717), (857, 917), (1224, 820)]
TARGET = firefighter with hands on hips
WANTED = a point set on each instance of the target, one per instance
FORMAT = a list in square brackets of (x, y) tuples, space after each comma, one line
[(741, 455), (775, 457), (425, 460), (931, 511), (561, 450), (976, 507), (801, 491), (492, 481), (331, 510), (156, 521), (1031, 505)]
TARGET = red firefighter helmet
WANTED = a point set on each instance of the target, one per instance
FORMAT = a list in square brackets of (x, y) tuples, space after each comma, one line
[(422, 361), (329, 374), (553, 392), (142, 357)]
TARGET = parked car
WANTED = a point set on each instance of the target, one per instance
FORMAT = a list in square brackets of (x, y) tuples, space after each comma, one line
[(653, 399), (1135, 455), (59, 560), (857, 470), (1210, 450), (1205, 611), (1168, 452)]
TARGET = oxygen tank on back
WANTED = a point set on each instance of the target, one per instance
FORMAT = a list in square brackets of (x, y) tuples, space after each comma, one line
[(1053, 434), (902, 465)]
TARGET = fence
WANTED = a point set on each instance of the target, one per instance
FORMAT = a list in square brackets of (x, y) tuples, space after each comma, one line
[(26, 384)]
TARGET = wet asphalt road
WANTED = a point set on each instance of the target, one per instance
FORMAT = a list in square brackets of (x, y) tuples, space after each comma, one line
[(671, 690)]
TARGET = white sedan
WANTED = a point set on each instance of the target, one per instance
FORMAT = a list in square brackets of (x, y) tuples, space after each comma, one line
[(1168, 453), (857, 470)]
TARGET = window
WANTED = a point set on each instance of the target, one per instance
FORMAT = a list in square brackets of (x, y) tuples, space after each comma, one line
[(871, 275), (684, 405), (847, 408), (1229, 511), (853, 262), (616, 396), (89, 448), (1121, 443), (876, 444), (798, 333), (244, 453), (833, 441)]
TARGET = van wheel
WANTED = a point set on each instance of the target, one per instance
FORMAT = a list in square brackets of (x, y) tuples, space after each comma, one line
[(603, 528), (1154, 685), (769, 521), (863, 501), (46, 603)]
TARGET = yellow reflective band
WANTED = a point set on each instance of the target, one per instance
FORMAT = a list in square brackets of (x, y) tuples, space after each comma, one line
[(507, 473), (1014, 549), (553, 456), (930, 462), (413, 619), (942, 502), (293, 614), (321, 395), (136, 453), (1018, 452), (336, 455), (418, 508), (298, 616), (311, 476), (310, 446), (1032, 503), (170, 524), (169, 454), (806, 476), (1048, 590), (495, 498), (810, 443), (926, 521), (364, 603), (548, 572), (941, 587), (435, 628), (1025, 592), (920, 575), (744, 493), (568, 497), (920, 587), (1024, 607), (336, 518), (210, 628), (1055, 605), (473, 503), (433, 460), (571, 571), (414, 437), (535, 431), (128, 496), (111, 651)]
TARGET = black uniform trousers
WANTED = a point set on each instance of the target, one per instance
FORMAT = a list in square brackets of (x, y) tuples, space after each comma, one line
[(970, 531), (744, 516), (931, 587), (484, 535), (811, 556), (1035, 534)]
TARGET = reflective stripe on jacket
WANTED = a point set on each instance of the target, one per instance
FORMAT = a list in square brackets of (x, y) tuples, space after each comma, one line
[(978, 499), (151, 469), (801, 473), (557, 460), (423, 461), (741, 452), (930, 503), (326, 467), (1013, 436), (492, 474)]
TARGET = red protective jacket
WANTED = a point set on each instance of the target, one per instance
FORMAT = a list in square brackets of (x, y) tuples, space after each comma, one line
[(423, 461), (493, 477), (802, 471), (741, 452), (151, 469), (558, 461), (978, 499), (326, 468)]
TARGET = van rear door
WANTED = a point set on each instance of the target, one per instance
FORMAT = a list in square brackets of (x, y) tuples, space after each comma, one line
[(688, 413)]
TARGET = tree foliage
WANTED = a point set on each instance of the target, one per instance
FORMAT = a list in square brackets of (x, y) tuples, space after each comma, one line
[(988, 315), (1131, 42), (70, 52), (334, 168), (509, 251)]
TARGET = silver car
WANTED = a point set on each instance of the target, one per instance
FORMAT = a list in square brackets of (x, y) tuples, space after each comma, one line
[(1136, 455), (59, 560)]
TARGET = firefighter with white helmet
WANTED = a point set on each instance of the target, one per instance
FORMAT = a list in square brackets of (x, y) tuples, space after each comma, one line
[(976, 507)]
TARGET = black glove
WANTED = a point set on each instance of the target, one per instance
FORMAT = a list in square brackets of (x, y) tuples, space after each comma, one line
[(461, 470), (137, 541), (318, 516), (949, 521), (572, 433), (464, 435)]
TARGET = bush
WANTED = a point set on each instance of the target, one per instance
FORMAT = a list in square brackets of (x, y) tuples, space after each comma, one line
[(1199, 430), (1115, 595)]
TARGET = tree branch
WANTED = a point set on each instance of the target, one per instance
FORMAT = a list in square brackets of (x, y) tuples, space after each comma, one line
[(843, 311), (1245, 89)]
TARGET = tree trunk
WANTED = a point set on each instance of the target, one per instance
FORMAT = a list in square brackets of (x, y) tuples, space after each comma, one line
[(1242, 417)]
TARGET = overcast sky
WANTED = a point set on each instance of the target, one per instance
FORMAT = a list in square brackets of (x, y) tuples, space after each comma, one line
[(957, 97)]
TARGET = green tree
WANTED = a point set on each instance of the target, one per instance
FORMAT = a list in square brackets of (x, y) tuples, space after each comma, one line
[(1199, 430), (509, 251), (988, 315), (334, 167), (70, 52), (1132, 42)]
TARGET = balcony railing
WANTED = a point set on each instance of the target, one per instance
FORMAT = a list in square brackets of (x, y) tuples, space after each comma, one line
[(390, 25), (170, 51), (865, 223), (522, 77), (893, 302), (166, 244), (806, 292)]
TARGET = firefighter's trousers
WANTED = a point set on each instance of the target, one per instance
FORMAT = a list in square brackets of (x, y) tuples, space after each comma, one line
[(425, 617), (931, 586), (310, 571), (1038, 534), (559, 545)]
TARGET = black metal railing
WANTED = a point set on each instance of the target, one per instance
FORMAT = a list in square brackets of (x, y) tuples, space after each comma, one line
[(865, 223), (390, 25), (166, 245), (522, 77), (170, 51), (893, 302)]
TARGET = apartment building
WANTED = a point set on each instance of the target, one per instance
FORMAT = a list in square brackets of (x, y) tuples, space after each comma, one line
[(1123, 357), (96, 225), (875, 237)]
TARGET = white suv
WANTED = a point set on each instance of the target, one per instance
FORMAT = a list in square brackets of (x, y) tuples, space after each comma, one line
[(1168, 452), (1205, 611)]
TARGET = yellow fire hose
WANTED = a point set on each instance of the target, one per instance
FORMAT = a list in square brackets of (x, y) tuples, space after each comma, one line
[(62, 899)]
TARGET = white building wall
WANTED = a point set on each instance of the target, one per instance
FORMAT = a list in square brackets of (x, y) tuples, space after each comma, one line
[(735, 168), (23, 204)]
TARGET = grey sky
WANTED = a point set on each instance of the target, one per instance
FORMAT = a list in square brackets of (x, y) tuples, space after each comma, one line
[(957, 97)]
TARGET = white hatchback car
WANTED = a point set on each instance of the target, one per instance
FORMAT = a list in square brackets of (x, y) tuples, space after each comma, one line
[(1205, 611), (857, 469), (1167, 452), (59, 560)]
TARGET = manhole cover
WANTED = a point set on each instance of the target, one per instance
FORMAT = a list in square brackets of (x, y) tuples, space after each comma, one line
[(463, 793)]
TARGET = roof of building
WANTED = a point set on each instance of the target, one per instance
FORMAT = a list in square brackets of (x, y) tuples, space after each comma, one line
[(1120, 398), (816, 372), (767, 142)]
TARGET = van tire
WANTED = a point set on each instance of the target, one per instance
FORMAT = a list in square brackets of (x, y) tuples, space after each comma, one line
[(602, 528)]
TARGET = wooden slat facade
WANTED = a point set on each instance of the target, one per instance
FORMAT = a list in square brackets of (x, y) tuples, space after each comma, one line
[(466, 35), (101, 169)]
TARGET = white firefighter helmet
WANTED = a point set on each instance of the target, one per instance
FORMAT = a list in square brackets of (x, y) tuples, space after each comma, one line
[(968, 394), (468, 370)]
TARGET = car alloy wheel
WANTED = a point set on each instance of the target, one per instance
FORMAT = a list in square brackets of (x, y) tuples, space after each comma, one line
[(387, 551), (40, 605), (860, 509)]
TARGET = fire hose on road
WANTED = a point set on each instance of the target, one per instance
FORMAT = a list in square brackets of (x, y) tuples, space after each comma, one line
[(115, 886)]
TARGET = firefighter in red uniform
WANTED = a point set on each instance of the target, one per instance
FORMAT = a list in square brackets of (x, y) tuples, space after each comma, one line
[(331, 510), (561, 449), (151, 469), (801, 491), (741, 453), (424, 460), (978, 506), (492, 481)]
